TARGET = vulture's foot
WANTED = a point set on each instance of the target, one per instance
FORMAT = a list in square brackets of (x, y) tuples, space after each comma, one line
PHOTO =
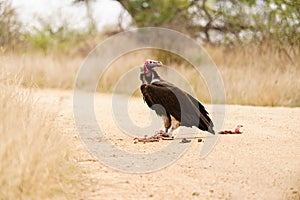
[(164, 134), (170, 132)]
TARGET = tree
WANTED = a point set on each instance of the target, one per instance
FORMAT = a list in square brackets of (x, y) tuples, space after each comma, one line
[(89, 11), (9, 25), (222, 21)]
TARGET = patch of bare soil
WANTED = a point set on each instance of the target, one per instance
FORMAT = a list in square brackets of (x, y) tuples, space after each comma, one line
[(261, 163)]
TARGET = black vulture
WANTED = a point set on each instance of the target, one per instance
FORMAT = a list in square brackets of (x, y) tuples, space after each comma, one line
[(168, 101)]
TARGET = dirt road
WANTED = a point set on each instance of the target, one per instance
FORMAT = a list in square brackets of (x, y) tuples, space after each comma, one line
[(261, 163)]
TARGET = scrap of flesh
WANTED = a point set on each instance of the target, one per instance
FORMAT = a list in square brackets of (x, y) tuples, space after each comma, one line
[(236, 131)]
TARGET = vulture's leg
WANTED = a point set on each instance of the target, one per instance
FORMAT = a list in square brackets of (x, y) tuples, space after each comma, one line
[(171, 131), (167, 122), (175, 125)]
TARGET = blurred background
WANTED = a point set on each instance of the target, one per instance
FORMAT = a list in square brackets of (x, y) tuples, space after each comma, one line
[(255, 44)]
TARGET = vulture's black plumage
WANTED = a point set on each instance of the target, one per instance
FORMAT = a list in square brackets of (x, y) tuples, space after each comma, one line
[(168, 100)]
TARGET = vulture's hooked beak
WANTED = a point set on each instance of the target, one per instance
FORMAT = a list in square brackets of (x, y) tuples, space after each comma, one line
[(152, 63), (158, 64)]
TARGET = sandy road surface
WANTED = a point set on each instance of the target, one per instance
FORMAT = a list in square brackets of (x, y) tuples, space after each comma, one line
[(262, 163)]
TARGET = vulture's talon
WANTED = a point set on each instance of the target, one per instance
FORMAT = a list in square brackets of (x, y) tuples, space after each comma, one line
[(165, 134)]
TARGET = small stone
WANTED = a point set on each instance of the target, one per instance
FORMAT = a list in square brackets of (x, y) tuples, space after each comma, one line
[(196, 194), (200, 140), (184, 140)]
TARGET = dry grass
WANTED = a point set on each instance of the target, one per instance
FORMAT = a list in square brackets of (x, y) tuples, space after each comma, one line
[(35, 158), (252, 75), (259, 75), (53, 70)]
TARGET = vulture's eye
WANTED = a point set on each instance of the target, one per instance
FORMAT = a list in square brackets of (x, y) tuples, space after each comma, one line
[(150, 62)]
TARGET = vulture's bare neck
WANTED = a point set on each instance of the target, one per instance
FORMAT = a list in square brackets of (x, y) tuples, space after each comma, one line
[(150, 77), (155, 77)]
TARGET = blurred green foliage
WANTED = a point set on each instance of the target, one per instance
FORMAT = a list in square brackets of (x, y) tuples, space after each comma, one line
[(225, 22), (154, 12), (48, 38), (222, 21), (15, 36)]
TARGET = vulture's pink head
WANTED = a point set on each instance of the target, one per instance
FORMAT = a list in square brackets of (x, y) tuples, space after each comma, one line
[(149, 64)]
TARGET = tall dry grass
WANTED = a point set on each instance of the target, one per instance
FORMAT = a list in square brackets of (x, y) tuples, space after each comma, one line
[(252, 75), (259, 75), (53, 70), (35, 159)]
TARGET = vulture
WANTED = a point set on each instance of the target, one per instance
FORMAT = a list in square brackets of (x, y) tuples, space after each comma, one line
[(170, 102)]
